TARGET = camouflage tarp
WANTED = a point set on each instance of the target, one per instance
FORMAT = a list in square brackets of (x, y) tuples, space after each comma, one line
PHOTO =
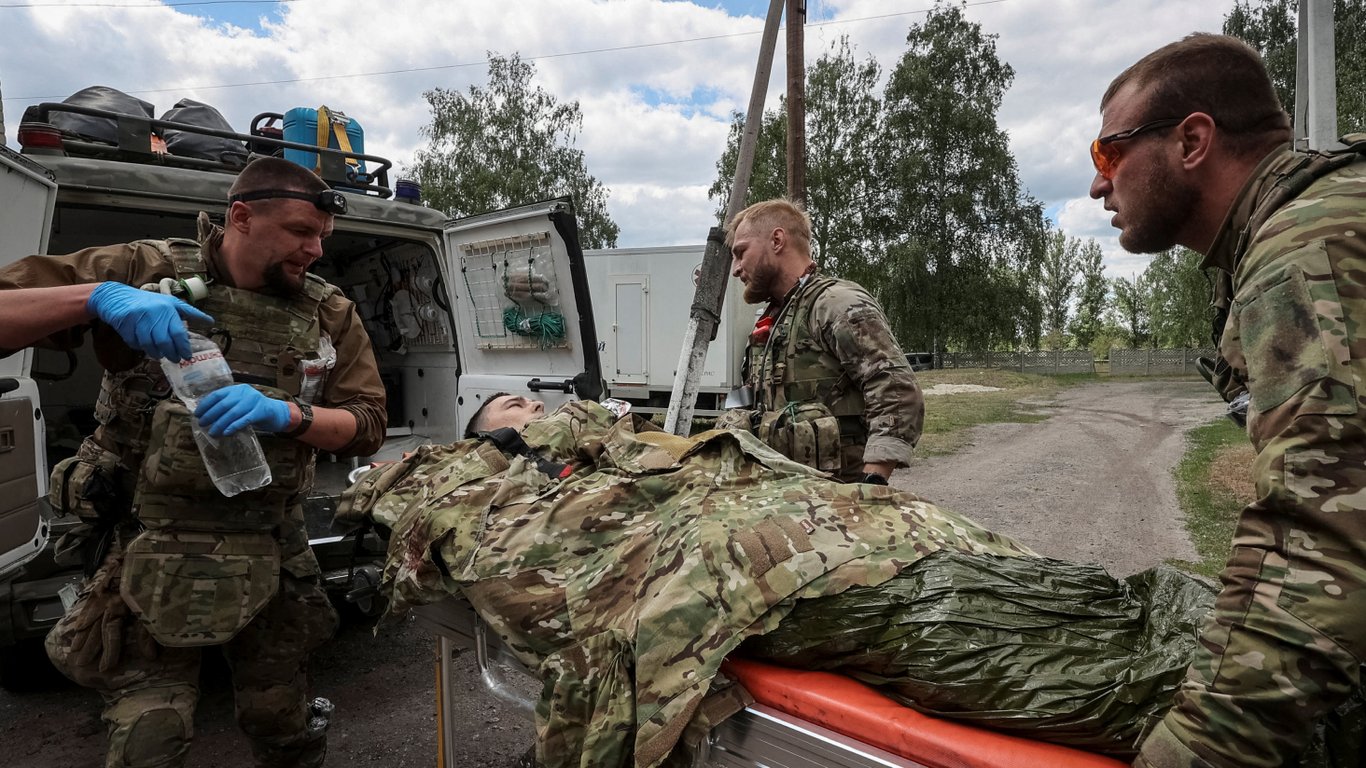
[(626, 584)]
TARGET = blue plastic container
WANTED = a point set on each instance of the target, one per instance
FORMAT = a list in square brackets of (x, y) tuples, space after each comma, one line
[(301, 125)]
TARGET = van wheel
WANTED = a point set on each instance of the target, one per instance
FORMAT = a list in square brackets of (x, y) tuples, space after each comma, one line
[(25, 668)]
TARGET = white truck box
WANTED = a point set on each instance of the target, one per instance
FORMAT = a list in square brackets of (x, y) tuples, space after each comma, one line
[(641, 302)]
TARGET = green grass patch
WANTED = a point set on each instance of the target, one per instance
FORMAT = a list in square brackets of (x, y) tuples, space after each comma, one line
[(1022, 398), (1211, 508)]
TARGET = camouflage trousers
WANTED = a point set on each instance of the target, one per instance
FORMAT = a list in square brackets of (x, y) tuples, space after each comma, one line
[(150, 690), (1284, 645)]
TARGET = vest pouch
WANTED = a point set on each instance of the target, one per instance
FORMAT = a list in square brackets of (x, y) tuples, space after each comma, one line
[(291, 465), (815, 437), (193, 588), (173, 465), (92, 480), (773, 435)]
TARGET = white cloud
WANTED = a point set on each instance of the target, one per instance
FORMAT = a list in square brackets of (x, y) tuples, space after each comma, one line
[(655, 118)]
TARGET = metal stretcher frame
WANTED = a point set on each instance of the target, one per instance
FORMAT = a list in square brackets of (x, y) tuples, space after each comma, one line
[(762, 734)]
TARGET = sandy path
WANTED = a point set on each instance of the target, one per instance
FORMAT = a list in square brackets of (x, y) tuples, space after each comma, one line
[(1092, 483)]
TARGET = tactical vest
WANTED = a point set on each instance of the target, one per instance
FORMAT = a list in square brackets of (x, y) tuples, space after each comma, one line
[(811, 410), (206, 564)]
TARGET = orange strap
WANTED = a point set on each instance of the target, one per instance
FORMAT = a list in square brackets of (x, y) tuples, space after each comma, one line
[(327, 127), (847, 706)]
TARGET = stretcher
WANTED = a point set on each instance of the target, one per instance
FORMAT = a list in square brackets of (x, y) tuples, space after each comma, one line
[(800, 718)]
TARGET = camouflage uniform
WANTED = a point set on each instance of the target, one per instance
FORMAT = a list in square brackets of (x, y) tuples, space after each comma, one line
[(832, 387), (626, 584), (1288, 635), (174, 564)]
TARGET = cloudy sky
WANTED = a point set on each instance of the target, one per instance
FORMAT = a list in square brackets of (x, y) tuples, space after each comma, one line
[(656, 79)]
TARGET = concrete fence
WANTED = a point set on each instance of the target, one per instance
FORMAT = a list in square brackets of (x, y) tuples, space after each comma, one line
[(1157, 362), (1042, 361)]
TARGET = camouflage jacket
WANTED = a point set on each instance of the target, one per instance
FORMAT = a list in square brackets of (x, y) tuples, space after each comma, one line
[(1299, 285), (626, 584), (1289, 631), (831, 343)]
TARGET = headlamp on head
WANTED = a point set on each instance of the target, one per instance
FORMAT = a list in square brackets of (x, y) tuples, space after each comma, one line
[(328, 201)]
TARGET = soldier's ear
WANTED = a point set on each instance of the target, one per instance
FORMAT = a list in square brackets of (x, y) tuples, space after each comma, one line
[(1197, 134), (778, 239), (239, 217)]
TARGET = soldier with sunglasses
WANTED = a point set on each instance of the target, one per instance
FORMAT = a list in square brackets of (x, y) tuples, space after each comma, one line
[(1195, 150)]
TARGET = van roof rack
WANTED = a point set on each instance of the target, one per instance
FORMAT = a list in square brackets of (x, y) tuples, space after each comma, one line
[(134, 134)]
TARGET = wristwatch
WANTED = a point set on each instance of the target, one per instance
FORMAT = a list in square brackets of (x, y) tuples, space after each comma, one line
[(305, 420), (873, 478)]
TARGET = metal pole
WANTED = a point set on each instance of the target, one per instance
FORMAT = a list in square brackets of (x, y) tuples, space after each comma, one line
[(1315, 78), (711, 286), (796, 100)]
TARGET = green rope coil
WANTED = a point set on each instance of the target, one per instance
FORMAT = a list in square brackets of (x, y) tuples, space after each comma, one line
[(548, 328)]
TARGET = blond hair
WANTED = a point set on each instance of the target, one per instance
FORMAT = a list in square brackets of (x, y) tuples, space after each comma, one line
[(769, 215)]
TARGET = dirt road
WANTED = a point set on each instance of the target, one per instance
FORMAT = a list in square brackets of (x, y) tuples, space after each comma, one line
[(1093, 482)]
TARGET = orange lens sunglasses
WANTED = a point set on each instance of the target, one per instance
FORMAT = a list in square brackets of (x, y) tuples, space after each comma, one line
[(1105, 155)]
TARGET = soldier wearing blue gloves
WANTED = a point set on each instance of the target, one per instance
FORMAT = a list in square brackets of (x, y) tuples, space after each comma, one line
[(172, 564)]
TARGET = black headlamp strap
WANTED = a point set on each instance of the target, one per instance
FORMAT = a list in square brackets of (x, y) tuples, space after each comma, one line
[(328, 201)]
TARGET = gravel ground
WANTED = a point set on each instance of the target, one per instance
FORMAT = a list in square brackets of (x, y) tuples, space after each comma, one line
[(1091, 483)]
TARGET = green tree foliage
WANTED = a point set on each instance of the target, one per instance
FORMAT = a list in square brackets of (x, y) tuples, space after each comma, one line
[(916, 194), (1058, 282), (1178, 303), (964, 240), (1271, 27), (1133, 299), (843, 114), (768, 177), (844, 119), (1092, 294), (506, 144)]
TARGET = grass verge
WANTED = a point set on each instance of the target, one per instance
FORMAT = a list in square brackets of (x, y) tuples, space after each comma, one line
[(1021, 398), (1213, 483)]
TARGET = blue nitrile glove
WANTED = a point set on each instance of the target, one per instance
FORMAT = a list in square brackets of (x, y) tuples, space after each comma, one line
[(148, 322), (230, 409)]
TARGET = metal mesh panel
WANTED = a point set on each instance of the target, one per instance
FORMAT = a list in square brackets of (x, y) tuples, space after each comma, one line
[(514, 292)]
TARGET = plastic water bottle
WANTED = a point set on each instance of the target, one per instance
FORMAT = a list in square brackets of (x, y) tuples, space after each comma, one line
[(235, 462)]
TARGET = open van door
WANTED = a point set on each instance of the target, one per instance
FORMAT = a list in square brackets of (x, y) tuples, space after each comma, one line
[(29, 193), (522, 307)]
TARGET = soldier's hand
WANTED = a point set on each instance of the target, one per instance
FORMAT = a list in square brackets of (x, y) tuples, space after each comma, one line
[(231, 409), (151, 323)]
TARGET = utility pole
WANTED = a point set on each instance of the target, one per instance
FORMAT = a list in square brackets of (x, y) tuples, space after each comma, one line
[(796, 100), (711, 284), (1316, 95)]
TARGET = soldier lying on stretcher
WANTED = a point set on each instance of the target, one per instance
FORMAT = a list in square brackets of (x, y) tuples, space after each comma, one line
[(623, 564)]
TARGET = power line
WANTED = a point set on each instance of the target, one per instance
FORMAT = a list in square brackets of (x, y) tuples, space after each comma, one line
[(144, 5), (543, 57)]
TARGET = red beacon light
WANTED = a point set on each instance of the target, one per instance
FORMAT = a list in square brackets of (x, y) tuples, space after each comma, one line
[(40, 138)]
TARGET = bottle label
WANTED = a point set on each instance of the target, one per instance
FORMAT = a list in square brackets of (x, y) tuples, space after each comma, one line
[(200, 357)]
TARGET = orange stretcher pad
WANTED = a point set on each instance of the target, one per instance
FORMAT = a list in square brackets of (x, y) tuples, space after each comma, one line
[(848, 707)]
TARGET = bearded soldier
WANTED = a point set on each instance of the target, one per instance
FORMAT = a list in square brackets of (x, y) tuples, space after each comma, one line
[(173, 565), (829, 385)]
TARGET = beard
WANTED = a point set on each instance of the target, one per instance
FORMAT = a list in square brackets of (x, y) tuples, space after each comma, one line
[(760, 285), (281, 283), (1161, 205)]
